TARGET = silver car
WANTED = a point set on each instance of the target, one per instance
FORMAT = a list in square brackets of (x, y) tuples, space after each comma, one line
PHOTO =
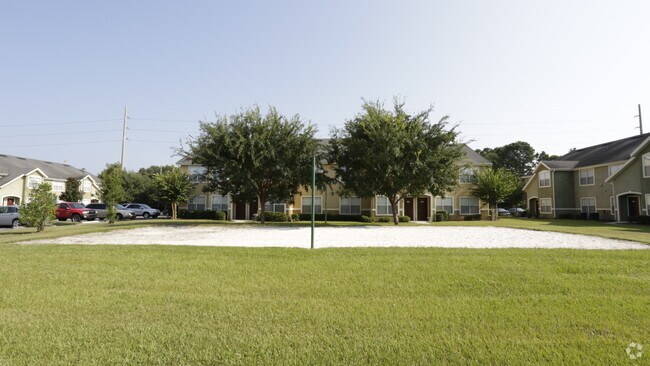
[(9, 216), (121, 212), (143, 210)]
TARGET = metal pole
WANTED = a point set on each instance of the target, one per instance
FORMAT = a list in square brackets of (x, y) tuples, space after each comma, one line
[(313, 208), (123, 139), (640, 120)]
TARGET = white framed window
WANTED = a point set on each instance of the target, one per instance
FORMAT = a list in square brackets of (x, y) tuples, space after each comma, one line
[(587, 177), (545, 205), (219, 203), (196, 203), (85, 186), (647, 204), (445, 204), (544, 179), (469, 206), (350, 206), (58, 186), (383, 206), (646, 165), (274, 207), (588, 205), (612, 204), (306, 205), (34, 182), (613, 169), (196, 173), (467, 175)]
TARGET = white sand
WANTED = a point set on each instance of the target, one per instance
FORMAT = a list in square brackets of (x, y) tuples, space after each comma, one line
[(368, 236)]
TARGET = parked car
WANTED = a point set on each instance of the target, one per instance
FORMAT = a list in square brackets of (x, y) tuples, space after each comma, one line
[(141, 209), (503, 212), (74, 211), (102, 212), (9, 216), (516, 211)]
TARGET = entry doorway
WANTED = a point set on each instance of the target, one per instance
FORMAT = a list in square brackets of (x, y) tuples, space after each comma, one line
[(423, 208), (633, 206), (408, 207), (240, 211)]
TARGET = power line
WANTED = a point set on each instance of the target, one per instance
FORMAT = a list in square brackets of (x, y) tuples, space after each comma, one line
[(562, 121), (64, 144), (154, 141), (64, 133), (165, 131), (163, 120), (546, 133), (18, 124)]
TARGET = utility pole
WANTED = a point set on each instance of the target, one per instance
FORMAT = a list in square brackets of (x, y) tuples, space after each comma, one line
[(123, 139), (640, 120)]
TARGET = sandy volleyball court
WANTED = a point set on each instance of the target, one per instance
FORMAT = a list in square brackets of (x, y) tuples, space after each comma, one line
[(358, 236)]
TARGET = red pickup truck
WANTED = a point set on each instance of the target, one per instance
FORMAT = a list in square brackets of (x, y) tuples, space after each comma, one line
[(74, 211)]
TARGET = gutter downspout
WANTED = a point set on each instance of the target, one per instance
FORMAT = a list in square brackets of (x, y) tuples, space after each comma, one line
[(553, 190)]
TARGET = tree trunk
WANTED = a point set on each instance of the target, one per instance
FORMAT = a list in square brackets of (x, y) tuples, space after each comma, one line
[(262, 202), (495, 211), (393, 205), (174, 206)]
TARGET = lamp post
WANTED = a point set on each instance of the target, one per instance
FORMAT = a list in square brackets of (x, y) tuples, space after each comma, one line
[(313, 198)]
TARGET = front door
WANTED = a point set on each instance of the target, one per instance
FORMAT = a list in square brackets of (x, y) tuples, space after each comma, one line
[(423, 208), (633, 206), (252, 207), (240, 211), (408, 207)]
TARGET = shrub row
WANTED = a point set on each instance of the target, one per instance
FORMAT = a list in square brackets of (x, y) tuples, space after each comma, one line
[(274, 217), (205, 215), (477, 217), (640, 219), (330, 217), (580, 216), (442, 216)]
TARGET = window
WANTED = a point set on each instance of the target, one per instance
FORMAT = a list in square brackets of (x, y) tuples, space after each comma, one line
[(612, 169), (196, 173), (647, 204), (306, 205), (646, 165), (219, 203), (34, 182), (383, 206), (445, 204), (612, 204), (545, 205), (467, 175), (86, 186), (350, 206), (58, 186), (588, 205), (469, 206), (587, 177), (544, 179), (275, 207), (196, 203)]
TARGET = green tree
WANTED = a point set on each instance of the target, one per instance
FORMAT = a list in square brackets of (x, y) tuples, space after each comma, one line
[(40, 209), (72, 192), (543, 156), (156, 169), (173, 186), (494, 186), (395, 154), (518, 157), (112, 190), (250, 155)]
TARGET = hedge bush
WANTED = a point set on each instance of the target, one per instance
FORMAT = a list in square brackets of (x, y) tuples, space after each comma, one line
[(384, 219), (202, 215), (330, 217), (365, 218), (295, 217), (274, 217), (477, 217), (640, 219), (404, 219), (442, 216), (565, 216)]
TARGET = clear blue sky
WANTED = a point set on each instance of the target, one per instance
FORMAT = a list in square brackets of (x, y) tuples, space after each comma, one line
[(558, 74)]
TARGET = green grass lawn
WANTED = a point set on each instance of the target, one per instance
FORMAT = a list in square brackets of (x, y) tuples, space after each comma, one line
[(134, 305)]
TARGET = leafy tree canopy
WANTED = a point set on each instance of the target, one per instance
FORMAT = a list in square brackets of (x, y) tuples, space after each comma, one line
[(495, 186), (112, 189), (173, 186), (518, 157), (254, 155), (394, 154), (72, 192), (40, 209)]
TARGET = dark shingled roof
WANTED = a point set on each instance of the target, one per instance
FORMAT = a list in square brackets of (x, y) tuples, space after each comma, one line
[(12, 167), (560, 164), (608, 152)]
